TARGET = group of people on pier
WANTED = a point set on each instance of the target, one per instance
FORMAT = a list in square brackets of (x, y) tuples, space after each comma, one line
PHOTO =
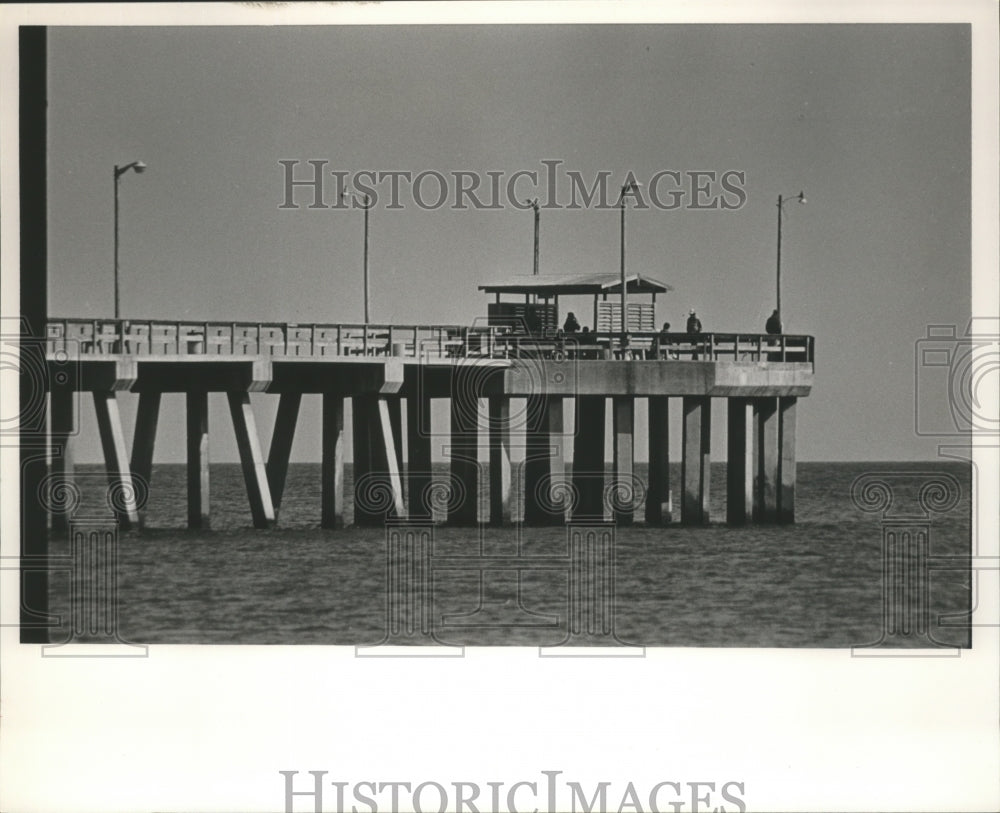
[(571, 326), (661, 343)]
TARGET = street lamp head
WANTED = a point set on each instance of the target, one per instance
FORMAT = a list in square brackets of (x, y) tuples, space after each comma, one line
[(138, 166), (802, 197)]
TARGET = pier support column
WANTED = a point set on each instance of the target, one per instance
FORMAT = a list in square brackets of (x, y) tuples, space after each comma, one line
[(378, 488), (588, 457), (390, 428), (739, 461), (394, 407), (197, 459), (623, 422), (697, 459), (500, 474), (144, 440), (251, 459), (418, 454), (463, 507), (786, 458), (658, 493), (281, 445), (544, 463), (64, 418), (361, 407), (109, 424), (332, 476), (768, 456)]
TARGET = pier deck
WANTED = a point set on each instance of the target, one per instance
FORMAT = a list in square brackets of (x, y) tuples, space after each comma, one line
[(383, 367)]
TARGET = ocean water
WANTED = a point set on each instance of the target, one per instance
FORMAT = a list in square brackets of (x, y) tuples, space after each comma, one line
[(817, 583)]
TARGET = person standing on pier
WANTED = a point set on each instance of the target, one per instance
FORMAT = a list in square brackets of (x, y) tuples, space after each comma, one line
[(571, 325), (773, 325), (693, 329), (662, 344), (774, 328), (693, 324)]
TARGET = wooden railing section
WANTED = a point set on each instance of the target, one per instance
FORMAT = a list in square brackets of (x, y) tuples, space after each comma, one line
[(145, 337)]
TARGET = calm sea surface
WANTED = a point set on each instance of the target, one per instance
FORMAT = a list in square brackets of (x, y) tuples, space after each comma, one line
[(813, 584)]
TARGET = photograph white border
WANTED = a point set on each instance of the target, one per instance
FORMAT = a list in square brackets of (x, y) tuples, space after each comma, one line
[(208, 728)]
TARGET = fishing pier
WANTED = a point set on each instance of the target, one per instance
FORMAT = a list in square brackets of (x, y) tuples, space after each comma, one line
[(510, 378)]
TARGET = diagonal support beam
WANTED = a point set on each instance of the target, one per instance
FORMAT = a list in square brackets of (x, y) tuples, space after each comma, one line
[(389, 423), (281, 445), (378, 488), (121, 488), (144, 440), (251, 458)]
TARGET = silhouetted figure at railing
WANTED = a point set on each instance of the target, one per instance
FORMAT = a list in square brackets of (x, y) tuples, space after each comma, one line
[(693, 329), (773, 325), (661, 344), (693, 324), (571, 325)]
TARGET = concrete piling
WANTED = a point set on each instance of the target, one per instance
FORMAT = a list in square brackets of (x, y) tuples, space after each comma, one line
[(740, 461), (696, 463), (197, 459), (761, 399), (588, 457), (658, 489)]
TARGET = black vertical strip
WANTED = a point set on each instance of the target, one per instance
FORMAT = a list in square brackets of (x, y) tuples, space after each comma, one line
[(33, 101)]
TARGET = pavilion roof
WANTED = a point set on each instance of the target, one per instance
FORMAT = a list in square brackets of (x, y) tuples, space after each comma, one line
[(574, 284)]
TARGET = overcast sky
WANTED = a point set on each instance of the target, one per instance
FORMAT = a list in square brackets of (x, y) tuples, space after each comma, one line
[(871, 121)]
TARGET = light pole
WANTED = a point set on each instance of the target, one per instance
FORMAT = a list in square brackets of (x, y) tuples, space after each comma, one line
[(139, 167), (534, 205), (366, 207), (630, 188), (801, 198)]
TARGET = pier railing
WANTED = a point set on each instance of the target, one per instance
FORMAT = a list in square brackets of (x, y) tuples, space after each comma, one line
[(98, 337)]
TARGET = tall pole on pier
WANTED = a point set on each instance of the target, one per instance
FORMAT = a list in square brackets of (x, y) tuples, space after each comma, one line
[(801, 198), (367, 287), (139, 167), (534, 205), (629, 188)]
